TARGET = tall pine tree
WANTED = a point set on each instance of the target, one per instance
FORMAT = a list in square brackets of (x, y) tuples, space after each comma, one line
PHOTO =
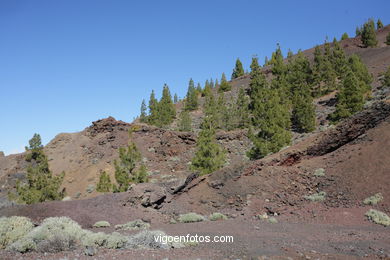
[(224, 86), (238, 70), (192, 97), (143, 116), (166, 108), (368, 34)]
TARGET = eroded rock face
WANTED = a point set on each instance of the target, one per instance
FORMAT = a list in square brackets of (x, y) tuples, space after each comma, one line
[(106, 125), (148, 195)]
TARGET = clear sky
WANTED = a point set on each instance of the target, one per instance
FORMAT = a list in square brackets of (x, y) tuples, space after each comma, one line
[(64, 64)]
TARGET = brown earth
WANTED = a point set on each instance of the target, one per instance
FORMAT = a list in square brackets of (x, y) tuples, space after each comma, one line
[(354, 154)]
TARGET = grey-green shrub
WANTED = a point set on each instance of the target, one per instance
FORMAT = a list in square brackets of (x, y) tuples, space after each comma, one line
[(146, 239), (133, 225), (320, 172), (190, 217), (378, 217), (217, 216), (13, 228), (101, 224), (320, 196), (272, 220), (373, 200)]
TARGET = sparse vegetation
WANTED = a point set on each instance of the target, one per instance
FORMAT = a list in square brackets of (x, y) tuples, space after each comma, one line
[(12, 229), (374, 199), (368, 34), (224, 86), (217, 216), (320, 196), (133, 225), (185, 121), (344, 36), (125, 167), (190, 217), (41, 184), (378, 217)]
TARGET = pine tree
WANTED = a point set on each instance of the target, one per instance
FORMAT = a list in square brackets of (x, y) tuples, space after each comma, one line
[(209, 155), (175, 99), (241, 110), (303, 114), (143, 116), (369, 34), (238, 70), (166, 108), (41, 184), (361, 72), (270, 117), (104, 184), (379, 24), (207, 89), (350, 98), (141, 176), (358, 31), (338, 59), (125, 167), (192, 97), (224, 86), (153, 109), (388, 39), (344, 36), (223, 118), (290, 54), (185, 121), (276, 61), (198, 89)]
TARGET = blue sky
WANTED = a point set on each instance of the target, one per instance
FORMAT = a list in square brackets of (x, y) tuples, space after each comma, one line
[(64, 64)]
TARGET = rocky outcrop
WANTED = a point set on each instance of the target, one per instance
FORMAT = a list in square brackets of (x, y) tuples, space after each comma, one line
[(106, 125)]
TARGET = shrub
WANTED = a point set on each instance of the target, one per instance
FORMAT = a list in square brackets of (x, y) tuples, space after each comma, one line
[(100, 224), (148, 239), (272, 220), (378, 217), (373, 200), (190, 217), (13, 228), (217, 216), (320, 172), (104, 184), (316, 196), (133, 225)]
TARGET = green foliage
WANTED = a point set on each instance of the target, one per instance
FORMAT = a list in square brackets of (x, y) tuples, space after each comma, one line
[(41, 184), (278, 67), (166, 108), (379, 24), (224, 86), (349, 99), (141, 176), (153, 109), (104, 184), (368, 34), (303, 114), (175, 99), (269, 115), (125, 167), (386, 78), (290, 54), (198, 89), (185, 121), (388, 39), (207, 91), (361, 72), (190, 218), (143, 116), (238, 70), (209, 156), (192, 97), (358, 31), (240, 111), (344, 36)]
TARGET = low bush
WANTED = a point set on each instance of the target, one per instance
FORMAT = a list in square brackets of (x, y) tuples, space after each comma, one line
[(320, 172), (101, 224), (13, 228), (373, 200), (190, 217), (378, 217), (217, 216), (133, 225), (320, 196)]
